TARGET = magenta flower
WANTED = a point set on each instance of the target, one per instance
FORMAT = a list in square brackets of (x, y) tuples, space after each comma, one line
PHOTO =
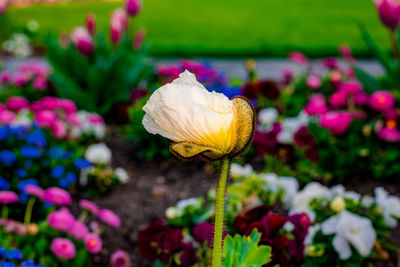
[(303, 138), (361, 99), (389, 12), (93, 243), (202, 232), (2, 107), (63, 248), (5, 77), (347, 54), (133, 7), (120, 259), (314, 81), (47, 103), (382, 100), (109, 217), (8, 197), (118, 24), (79, 230), (90, 22), (67, 105), (21, 78), (45, 118), (316, 105), (59, 129), (89, 205), (57, 196), (82, 40), (350, 87), (95, 118), (39, 83), (298, 58), (3, 7), (138, 39), (338, 99), (390, 132), (287, 76), (336, 121), (331, 63), (6, 117), (34, 190), (61, 220)]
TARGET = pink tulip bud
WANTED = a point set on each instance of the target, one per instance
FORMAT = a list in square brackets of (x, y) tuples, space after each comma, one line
[(118, 24), (133, 7), (82, 40), (3, 6), (389, 12), (90, 22), (138, 39), (336, 122)]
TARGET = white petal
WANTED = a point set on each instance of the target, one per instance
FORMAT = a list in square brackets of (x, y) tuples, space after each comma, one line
[(342, 247)]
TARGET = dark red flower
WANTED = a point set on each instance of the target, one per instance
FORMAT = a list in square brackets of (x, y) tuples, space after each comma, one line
[(202, 231), (266, 142), (269, 89), (138, 94), (273, 223), (188, 257), (242, 223), (303, 138), (301, 224), (312, 154)]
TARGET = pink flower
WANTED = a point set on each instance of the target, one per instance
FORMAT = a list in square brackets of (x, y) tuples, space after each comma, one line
[(346, 53), (59, 129), (6, 117), (390, 132), (391, 113), (118, 24), (61, 220), (350, 87), (389, 12), (133, 7), (335, 121), (331, 63), (95, 118), (48, 102), (287, 76), (138, 39), (2, 107), (16, 103), (79, 230), (90, 22), (298, 58), (67, 105), (314, 81), (57, 196), (120, 259), (73, 119), (34, 191), (21, 78), (89, 205), (8, 197), (316, 105), (115, 34), (5, 77), (3, 6), (338, 99), (168, 70), (382, 100), (82, 40), (93, 243), (39, 83), (45, 118), (63, 248), (109, 217), (361, 99)]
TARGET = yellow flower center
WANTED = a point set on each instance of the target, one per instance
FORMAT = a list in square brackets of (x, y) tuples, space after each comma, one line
[(391, 123), (381, 100)]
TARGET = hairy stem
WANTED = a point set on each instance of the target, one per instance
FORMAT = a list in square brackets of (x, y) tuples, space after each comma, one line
[(28, 210), (219, 213)]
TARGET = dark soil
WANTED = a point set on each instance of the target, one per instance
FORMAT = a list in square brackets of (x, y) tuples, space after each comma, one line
[(155, 186)]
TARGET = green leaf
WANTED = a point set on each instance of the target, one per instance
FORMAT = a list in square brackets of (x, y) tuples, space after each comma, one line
[(369, 83), (158, 263), (244, 251)]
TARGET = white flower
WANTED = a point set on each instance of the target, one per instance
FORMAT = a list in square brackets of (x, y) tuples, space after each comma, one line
[(98, 154), (267, 117), (390, 206), (289, 185), (311, 191), (312, 230), (339, 190), (184, 203), (237, 170), (290, 127), (288, 226), (350, 229), (122, 175), (171, 213), (338, 204), (367, 201)]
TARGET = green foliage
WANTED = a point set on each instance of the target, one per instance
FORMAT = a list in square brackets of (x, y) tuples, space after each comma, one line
[(97, 82), (230, 27), (148, 146), (244, 251)]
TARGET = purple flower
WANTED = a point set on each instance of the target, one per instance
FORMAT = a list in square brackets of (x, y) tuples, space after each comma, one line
[(202, 231)]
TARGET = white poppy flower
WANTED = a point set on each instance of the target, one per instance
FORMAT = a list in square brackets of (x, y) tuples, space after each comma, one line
[(390, 206), (350, 229), (98, 154), (238, 170)]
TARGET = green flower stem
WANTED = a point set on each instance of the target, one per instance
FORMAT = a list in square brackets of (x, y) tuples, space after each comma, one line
[(83, 216), (4, 212), (28, 210), (219, 213), (395, 46)]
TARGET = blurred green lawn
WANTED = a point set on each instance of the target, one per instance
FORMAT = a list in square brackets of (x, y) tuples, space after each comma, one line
[(225, 28)]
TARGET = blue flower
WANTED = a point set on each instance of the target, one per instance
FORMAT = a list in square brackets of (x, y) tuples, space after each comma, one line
[(4, 132), (37, 138), (71, 177), (56, 152), (81, 163), (7, 264), (57, 171), (7, 157), (13, 254), (28, 263), (228, 91), (21, 173), (64, 183), (19, 131), (30, 152), (2, 251), (4, 185)]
